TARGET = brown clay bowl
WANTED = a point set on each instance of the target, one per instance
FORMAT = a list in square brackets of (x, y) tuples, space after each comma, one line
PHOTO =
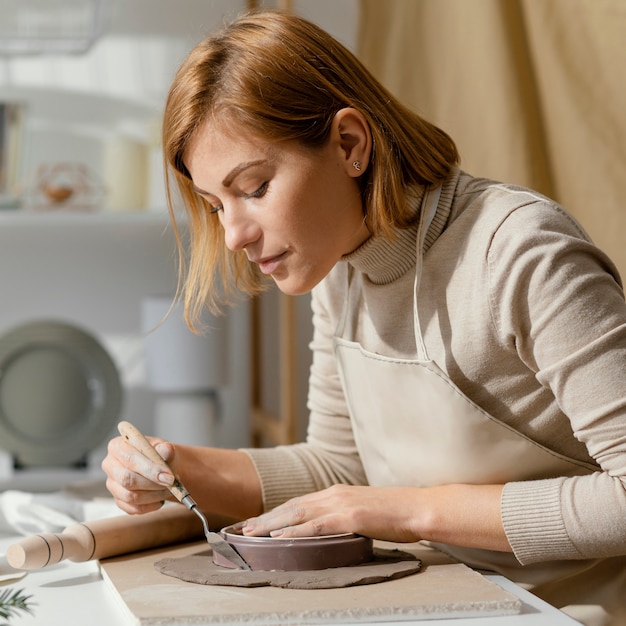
[(299, 554), (59, 193)]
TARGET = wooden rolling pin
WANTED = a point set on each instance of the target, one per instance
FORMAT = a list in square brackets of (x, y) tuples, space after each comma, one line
[(104, 538)]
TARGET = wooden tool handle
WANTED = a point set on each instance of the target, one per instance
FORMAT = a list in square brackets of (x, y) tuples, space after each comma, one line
[(106, 537), (136, 439)]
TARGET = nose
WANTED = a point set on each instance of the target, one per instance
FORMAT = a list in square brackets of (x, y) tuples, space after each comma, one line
[(240, 230)]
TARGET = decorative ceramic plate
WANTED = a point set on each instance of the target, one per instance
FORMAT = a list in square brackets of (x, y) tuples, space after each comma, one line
[(299, 554), (60, 394)]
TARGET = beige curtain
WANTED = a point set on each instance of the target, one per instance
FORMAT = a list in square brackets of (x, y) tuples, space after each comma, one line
[(533, 92)]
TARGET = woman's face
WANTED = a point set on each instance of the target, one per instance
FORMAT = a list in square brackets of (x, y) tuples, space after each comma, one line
[(294, 211)]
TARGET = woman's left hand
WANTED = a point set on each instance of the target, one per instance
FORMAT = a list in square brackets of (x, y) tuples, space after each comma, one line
[(463, 515), (384, 513)]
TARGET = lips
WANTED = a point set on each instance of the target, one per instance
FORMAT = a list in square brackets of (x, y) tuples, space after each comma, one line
[(269, 264)]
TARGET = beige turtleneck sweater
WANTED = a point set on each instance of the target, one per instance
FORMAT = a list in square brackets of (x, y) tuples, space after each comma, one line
[(528, 319)]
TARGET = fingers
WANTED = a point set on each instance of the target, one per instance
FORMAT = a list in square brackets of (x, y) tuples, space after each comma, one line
[(165, 449), (385, 513), (135, 502), (312, 515), (137, 484), (272, 523)]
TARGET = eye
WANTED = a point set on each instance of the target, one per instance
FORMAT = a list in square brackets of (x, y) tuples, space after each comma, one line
[(258, 192), (213, 208)]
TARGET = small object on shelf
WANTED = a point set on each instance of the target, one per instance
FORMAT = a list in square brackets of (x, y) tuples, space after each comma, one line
[(58, 193), (12, 115), (64, 186)]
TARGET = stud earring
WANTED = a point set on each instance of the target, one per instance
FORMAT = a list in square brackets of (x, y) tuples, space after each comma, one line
[(357, 165)]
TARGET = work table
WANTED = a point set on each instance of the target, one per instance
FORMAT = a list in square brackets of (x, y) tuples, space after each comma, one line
[(66, 594), (72, 594)]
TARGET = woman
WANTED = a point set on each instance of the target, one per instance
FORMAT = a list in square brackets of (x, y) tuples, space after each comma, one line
[(467, 385)]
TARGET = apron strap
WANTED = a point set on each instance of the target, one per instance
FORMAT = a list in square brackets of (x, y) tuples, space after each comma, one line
[(428, 210), (341, 322), (427, 214)]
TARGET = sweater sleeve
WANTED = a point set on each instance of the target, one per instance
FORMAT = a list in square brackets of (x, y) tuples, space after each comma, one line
[(329, 455), (557, 300)]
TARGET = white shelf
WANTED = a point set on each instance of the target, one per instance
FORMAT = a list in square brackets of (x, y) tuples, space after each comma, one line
[(63, 216), (92, 269)]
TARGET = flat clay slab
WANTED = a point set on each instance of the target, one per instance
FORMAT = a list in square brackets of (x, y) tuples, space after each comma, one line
[(383, 565), (443, 589)]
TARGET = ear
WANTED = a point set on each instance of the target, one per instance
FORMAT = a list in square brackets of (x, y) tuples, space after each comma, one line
[(354, 138)]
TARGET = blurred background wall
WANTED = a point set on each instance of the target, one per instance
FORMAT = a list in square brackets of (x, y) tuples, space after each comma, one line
[(532, 91)]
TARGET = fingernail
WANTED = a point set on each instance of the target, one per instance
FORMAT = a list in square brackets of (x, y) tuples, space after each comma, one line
[(161, 448), (165, 479), (276, 533)]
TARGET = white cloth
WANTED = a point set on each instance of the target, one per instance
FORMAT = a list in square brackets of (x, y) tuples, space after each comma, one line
[(35, 513)]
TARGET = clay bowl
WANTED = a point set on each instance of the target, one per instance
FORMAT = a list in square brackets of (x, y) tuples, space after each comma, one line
[(300, 554), (58, 193)]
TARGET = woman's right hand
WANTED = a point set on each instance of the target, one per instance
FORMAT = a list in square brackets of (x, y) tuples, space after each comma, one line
[(137, 484)]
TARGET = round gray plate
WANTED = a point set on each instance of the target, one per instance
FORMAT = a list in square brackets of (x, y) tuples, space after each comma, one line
[(60, 394)]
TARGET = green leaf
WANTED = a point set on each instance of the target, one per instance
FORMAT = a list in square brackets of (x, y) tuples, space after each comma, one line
[(12, 602)]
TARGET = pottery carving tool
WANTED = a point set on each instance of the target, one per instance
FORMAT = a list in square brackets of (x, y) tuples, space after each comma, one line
[(100, 539), (180, 492)]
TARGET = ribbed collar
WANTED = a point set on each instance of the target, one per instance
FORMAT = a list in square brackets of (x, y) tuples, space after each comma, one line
[(383, 260)]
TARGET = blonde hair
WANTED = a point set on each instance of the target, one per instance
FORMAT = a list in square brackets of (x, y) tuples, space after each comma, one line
[(283, 79)]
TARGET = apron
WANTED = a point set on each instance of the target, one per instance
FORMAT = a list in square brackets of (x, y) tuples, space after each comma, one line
[(414, 427)]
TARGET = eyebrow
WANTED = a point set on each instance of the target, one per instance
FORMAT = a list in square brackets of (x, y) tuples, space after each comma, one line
[(230, 177)]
